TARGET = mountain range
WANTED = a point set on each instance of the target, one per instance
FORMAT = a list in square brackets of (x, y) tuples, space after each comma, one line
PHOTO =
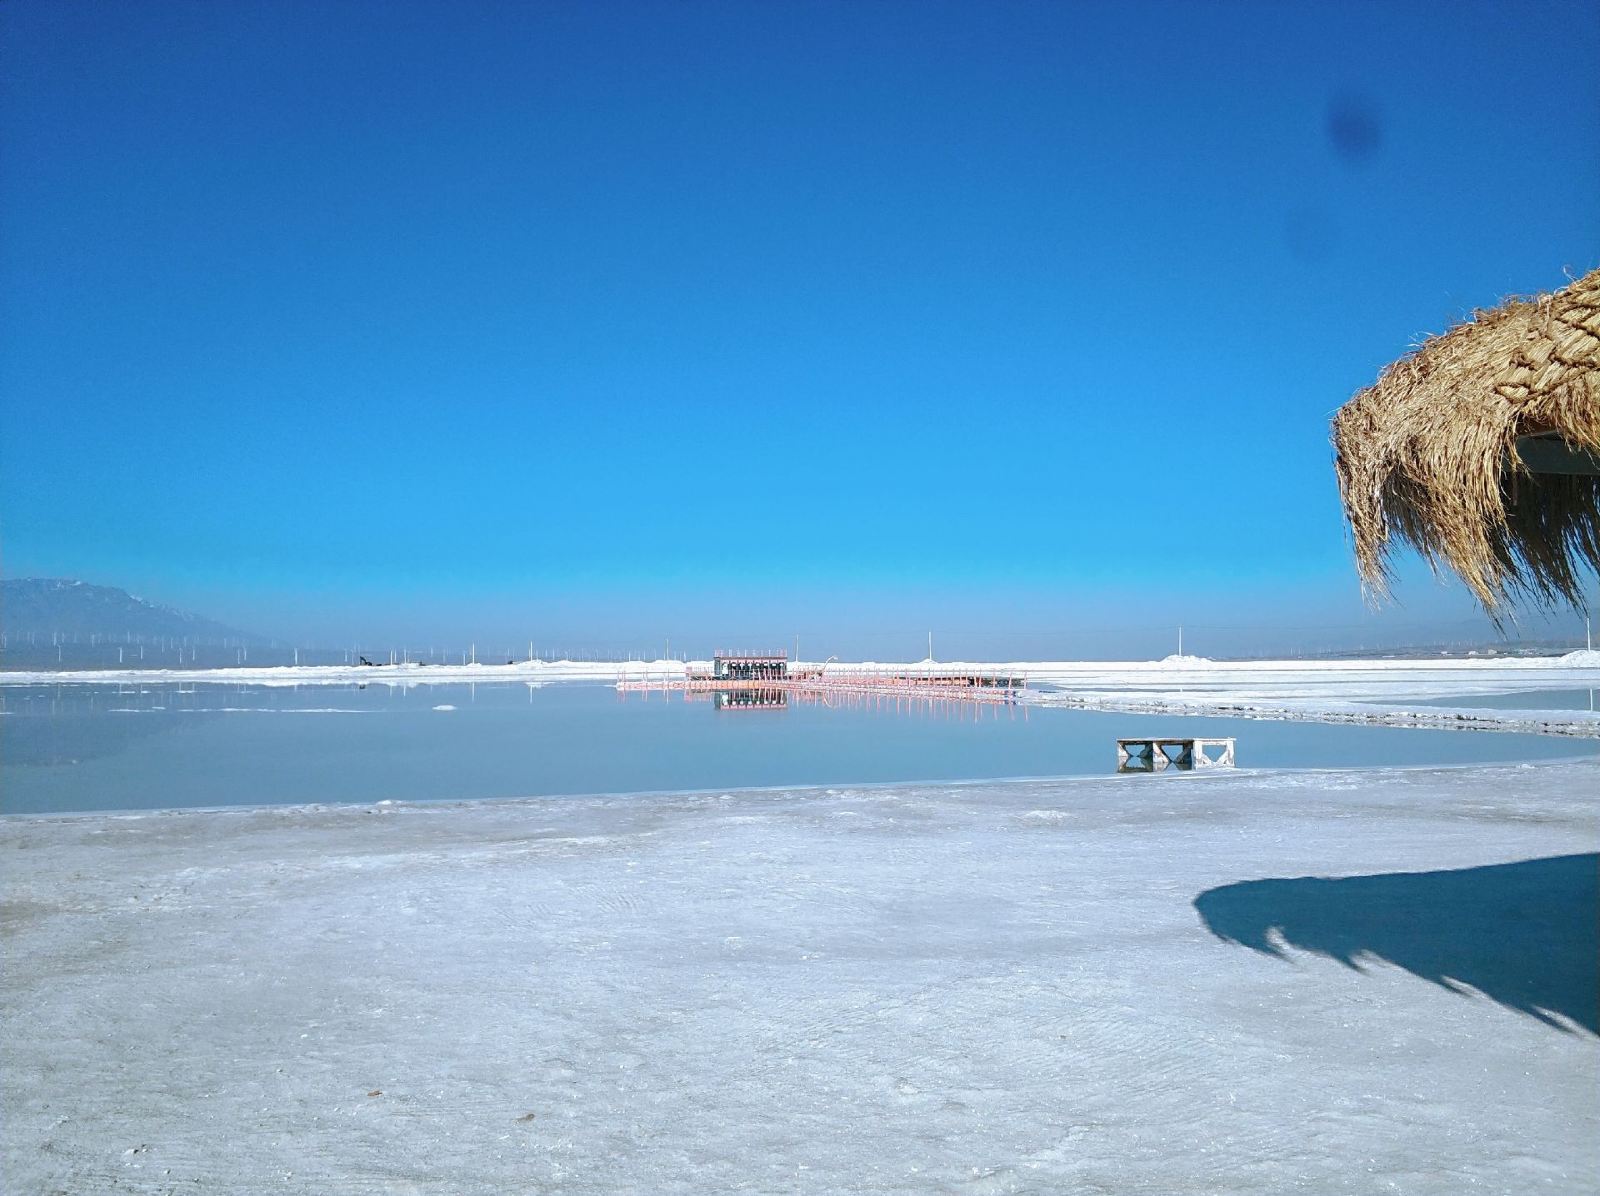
[(45, 607)]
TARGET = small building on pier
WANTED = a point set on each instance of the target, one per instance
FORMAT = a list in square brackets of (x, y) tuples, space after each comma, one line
[(746, 666)]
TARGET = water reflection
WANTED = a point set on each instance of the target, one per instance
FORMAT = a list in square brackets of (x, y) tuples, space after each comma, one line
[(64, 725), (750, 699), (158, 745)]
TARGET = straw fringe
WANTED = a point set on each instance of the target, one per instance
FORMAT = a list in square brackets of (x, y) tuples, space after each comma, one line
[(1428, 454)]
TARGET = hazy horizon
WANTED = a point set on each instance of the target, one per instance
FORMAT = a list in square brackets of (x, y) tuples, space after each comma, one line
[(1010, 631)]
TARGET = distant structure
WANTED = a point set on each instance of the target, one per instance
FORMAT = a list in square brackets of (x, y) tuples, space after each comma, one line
[(750, 666), (770, 681)]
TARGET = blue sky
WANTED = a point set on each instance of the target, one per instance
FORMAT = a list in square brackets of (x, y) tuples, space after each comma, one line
[(608, 322)]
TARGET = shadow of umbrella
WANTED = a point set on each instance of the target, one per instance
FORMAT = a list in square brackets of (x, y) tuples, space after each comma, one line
[(1526, 935)]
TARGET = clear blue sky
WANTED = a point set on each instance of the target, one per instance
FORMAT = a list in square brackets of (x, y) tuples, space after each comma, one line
[(613, 321)]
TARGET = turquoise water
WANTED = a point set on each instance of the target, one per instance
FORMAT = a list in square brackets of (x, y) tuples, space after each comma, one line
[(1531, 699), (78, 748)]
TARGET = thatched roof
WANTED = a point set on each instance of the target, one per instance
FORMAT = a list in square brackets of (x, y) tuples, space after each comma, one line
[(1429, 453)]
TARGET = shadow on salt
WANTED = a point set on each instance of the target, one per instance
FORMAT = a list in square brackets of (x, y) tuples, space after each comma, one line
[(1524, 934)]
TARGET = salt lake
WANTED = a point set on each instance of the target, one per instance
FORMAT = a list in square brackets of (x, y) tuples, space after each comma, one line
[(72, 748)]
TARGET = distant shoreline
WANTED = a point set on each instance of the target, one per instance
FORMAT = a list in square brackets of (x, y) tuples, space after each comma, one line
[(1192, 669), (1364, 692)]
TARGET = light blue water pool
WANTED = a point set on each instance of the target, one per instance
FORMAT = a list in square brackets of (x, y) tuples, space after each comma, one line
[(1531, 699), (73, 748)]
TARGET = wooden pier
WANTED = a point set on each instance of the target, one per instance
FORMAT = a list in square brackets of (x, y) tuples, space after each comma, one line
[(1152, 754), (770, 674)]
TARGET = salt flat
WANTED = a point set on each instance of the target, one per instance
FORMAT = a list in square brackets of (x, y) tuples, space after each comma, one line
[(1306, 680), (1039, 986), (1384, 692)]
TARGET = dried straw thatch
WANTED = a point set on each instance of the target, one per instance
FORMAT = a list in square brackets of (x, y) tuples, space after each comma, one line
[(1429, 453)]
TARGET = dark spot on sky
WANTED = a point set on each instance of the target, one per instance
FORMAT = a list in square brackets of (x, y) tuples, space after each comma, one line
[(1354, 129)]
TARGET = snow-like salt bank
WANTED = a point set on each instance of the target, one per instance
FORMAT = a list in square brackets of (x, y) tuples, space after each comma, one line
[(1000, 987)]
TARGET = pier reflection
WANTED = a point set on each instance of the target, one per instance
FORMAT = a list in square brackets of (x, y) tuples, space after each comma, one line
[(972, 699), (750, 699)]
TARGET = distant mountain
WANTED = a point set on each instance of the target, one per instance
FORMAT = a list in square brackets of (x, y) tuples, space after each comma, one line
[(46, 607)]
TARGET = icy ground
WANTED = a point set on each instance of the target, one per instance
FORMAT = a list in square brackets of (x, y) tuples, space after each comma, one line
[(1086, 986)]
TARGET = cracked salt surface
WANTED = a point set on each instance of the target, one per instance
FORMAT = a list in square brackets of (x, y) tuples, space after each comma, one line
[(987, 987)]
